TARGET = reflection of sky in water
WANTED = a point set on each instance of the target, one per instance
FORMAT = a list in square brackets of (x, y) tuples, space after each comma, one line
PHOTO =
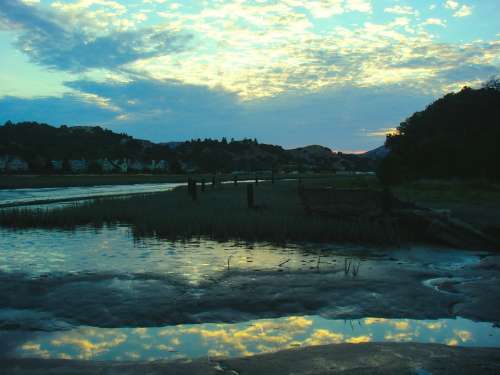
[(9, 196), (55, 252), (39, 251), (242, 339)]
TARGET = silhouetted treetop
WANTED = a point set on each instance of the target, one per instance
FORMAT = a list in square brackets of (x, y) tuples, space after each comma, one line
[(456, 136)]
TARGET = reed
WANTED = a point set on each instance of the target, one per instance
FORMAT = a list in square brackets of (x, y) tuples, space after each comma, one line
[(220, 214)]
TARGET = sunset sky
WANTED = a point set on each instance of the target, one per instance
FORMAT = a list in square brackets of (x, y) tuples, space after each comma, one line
[(339, 73)]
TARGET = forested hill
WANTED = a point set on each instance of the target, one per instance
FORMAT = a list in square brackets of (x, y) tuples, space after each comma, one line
[(29, 140), (457, 136), (41, 148)]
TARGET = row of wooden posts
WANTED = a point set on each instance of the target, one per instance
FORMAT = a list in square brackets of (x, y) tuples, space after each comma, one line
[(192, 188)]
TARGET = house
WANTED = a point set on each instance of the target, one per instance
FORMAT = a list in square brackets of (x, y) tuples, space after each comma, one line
[(57, 165), (160, 165), (13, 164)]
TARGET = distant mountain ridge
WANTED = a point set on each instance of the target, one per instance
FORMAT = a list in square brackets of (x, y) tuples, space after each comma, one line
[(41, 148), (377, 153)]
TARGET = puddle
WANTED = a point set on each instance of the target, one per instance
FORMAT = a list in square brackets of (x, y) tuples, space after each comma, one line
[(241, 339)]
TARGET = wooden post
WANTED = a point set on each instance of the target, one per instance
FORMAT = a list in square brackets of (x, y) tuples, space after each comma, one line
[(213, 181), (250, 197), (190, 186), (256, 179), (203, 185), (235, 180)]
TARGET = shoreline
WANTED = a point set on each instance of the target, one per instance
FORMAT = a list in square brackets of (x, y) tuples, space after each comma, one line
[(220, 212), (87, 180), (81, 198)]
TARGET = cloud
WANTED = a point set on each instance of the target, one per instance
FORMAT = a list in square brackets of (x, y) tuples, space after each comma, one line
[(435, 21), (49, 40), (401, 9), (270, 49), (329, 8), (381, 132), (70, 109), (253, 49), (464, 11), (451, 4), (470, 72), (241, 68), (167, 110), (459, 9)]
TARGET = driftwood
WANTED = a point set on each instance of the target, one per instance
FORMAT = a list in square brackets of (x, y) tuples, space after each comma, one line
[(406, 219)]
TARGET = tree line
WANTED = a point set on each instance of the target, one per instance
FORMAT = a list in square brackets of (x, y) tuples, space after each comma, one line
[(455, 137)]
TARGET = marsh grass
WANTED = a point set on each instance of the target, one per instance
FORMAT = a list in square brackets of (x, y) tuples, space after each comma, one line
[(450, 191), (219, 213)]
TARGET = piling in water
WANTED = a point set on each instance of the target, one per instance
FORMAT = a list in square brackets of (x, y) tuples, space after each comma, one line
[(203, 185), (189, 186), (192, 189), (235, 180)]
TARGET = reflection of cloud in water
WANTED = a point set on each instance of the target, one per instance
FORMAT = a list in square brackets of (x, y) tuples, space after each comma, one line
[(464, 335), (91, 346), (249, 338), (401, 325)]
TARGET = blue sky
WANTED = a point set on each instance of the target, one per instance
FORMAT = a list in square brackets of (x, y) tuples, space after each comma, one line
[(340, 73)]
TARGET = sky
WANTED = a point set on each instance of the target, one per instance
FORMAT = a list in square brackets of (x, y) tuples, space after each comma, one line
[(339, 73)]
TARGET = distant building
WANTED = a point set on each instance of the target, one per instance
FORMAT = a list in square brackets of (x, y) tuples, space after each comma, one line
[(160, 165), (57, 165), (13, 164)]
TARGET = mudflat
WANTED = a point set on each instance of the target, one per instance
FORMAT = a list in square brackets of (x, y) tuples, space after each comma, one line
[(369, 358)]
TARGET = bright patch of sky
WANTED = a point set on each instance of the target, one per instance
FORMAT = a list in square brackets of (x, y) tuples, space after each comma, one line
[(262, 56)]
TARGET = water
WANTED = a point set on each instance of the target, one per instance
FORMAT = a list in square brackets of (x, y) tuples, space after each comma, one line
[(57, 287), (241, 339), (17, 197), (25, 196), (39, 252)]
